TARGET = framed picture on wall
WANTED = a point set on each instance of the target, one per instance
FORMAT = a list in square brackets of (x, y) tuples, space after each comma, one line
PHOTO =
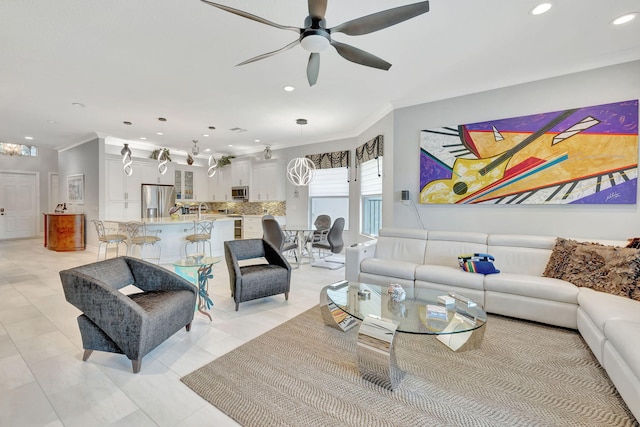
[(75, 188)]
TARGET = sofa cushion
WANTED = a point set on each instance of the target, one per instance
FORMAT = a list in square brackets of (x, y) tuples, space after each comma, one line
[(544, 288), (602, 307), (452, 276), (624, 335), (520, 253), (610, 269), (443, 247), (389, 267), (405, 244)]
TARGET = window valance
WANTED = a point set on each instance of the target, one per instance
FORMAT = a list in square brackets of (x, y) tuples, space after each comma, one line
[(336, 159), (370, 150)]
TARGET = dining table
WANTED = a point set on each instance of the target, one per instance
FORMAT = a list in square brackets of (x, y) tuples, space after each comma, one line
[(303, 235)]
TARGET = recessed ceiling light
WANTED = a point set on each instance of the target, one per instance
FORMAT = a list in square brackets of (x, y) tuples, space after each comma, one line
[(28, 137), (52, 122), (162, 119), (289, 88), (127, 123), (624, 19), (541, 8), (78, 104), (205, 134), (230, 145), (256, 140), (143, 138), (159, 133), (212, 127)]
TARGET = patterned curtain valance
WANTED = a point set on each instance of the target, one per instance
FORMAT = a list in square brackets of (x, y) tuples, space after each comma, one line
[(337, 159), (371, 149)]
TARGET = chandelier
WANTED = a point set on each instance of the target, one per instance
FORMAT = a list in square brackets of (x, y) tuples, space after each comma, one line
[(8, 149), (300, 171)]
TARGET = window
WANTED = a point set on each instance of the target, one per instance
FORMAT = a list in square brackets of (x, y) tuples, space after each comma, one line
[(371, 194), (17, 149), (329, 195)]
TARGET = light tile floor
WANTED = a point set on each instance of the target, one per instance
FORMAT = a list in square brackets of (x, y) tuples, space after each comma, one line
[(43, 381)]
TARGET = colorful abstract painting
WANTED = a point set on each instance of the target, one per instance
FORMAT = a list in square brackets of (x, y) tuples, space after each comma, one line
[(582, 155)]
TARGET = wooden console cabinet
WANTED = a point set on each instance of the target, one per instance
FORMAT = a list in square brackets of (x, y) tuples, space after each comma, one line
[(64, 232)]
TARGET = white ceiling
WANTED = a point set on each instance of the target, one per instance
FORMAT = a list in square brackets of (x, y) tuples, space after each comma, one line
[(138, 60)]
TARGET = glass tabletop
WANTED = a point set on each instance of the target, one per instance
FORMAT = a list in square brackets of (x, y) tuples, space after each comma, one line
[(196, 261), (420, 312)]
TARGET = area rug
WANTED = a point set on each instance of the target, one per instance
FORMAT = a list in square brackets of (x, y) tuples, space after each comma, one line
[(303, 373)]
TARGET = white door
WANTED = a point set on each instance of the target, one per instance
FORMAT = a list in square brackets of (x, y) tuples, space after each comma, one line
[(18, 206)]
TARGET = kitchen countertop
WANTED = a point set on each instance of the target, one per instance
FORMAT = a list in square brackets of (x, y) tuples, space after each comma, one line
[(183, 219)]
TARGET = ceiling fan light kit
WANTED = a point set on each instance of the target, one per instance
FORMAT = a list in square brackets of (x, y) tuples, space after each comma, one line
[(315, 37)]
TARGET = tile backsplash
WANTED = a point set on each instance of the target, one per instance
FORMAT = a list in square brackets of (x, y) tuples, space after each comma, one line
[(250, 208)]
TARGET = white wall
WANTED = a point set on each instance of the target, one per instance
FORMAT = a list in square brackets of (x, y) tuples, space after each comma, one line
[(44, 163), (601, 86), (84, 159), (298, 207)]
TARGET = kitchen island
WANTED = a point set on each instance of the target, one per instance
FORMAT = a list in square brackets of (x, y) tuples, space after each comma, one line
[(174, 231)]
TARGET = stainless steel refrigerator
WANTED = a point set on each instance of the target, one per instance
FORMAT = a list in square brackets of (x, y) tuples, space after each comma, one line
[(157, 199)]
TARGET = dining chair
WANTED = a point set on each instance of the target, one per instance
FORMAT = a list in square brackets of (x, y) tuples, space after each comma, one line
[(273, 233), (332, 245)]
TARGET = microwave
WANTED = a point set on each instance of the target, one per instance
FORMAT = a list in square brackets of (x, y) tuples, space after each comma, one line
[(240, 193)]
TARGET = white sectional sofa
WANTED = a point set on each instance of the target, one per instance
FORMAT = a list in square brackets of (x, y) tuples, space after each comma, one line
[(609, 324)]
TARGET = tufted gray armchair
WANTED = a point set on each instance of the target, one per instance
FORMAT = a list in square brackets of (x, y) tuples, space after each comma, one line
[(129, 324), (259, 280)]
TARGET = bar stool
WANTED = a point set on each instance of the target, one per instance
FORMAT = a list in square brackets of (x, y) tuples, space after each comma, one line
[(107, 237), (141, 235), (201, 235)]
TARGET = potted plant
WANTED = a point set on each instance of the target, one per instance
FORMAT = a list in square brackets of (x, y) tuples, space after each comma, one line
[(225, 160), (156, 153)]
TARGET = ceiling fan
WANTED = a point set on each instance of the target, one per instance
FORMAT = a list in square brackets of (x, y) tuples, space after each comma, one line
[(315, 37)]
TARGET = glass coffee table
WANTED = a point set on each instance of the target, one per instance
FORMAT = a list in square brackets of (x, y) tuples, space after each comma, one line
[(455, 321)]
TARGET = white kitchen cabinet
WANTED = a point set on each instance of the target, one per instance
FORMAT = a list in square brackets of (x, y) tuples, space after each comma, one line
[(268, 181), (220, 185), (240, 172), (123, 192), (149, 173), (191, 184)]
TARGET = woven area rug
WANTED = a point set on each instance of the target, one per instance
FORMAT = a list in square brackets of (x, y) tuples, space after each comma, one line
[(303, 373)]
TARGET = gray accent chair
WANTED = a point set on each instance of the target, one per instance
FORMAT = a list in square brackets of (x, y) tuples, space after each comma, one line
[(271, 275), (133, 324)]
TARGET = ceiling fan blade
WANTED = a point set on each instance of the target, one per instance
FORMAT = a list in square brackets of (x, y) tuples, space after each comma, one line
[(313, 68), (250, 16), (268, 54), (380, 20), (359, 56), (317, 8)]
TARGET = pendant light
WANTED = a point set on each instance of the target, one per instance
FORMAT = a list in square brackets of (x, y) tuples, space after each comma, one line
[(162, 161), (213, 166), (300, 171), (126, 160), (195, 150)]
